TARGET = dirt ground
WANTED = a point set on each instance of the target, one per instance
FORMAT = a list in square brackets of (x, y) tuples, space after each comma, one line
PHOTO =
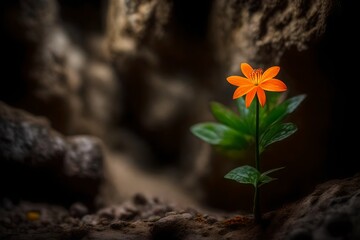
[(330, 212)]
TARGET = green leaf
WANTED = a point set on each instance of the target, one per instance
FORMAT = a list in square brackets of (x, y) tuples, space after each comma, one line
[(264, 178), (272, 100), (282, 110), (240, 103), (206, 132), (275, 133), (247, 116), (294, 102), (220, 135), (272, 170), (245, 174), (227, 117)]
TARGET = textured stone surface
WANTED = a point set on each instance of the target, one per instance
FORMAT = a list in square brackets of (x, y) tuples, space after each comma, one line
[(60, 75), (37, 161), (28, 140), (330, 212), (260, 32)]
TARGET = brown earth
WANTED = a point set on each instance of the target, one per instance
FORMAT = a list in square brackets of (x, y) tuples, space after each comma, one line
[(330, 212)]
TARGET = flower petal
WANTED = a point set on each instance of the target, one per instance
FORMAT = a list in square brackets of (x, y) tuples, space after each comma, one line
[(250, 96), (239, 81), (273, 85), (261, 96), (270, 73), (246, 69), (242, 90)]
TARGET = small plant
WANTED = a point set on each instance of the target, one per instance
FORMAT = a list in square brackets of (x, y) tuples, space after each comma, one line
[(251, 125)]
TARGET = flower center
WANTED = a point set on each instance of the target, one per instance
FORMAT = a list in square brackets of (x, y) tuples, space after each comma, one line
[(256, 75)]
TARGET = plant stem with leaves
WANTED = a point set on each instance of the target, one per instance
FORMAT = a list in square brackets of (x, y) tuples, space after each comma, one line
[(235, 131), (257, 212)]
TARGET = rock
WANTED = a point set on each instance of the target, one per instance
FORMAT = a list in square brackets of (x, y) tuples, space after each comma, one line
[(78, 210), (52, 167), (83, 164), (339, 225), (60, 78), (130, 21), (83, 157), (140, 199), (260, 32), (28, 140), (170, 227), (119, 225), (330, 212)]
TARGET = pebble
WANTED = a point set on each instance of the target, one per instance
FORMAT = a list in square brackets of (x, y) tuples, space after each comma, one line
[(119, 225), (186, 216), (170, 213), (140, 199), (78, 210), (154, 218)]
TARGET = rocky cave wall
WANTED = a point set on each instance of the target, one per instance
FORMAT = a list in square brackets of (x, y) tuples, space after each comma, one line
[(138, 74)]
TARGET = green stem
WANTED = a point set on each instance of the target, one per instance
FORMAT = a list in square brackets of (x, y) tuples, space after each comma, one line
[(257, 213), (257, 150)]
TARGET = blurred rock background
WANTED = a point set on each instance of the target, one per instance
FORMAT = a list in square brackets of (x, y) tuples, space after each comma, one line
[(118, 84)]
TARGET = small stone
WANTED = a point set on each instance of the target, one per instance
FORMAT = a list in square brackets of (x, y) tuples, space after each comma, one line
[(192, 211), (186, 216), (89, 220), (170, 213), (140, 199), (128, 216), (171, 218), (170, 227), (118, 225), (154, 218), (104, 221), (107, 215), (78, 210)]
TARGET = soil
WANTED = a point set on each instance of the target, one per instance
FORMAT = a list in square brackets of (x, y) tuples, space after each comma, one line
[(331, 212), (139, 218)]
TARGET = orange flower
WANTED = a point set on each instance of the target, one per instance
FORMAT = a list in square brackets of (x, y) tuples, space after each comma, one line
[(255, 82)]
